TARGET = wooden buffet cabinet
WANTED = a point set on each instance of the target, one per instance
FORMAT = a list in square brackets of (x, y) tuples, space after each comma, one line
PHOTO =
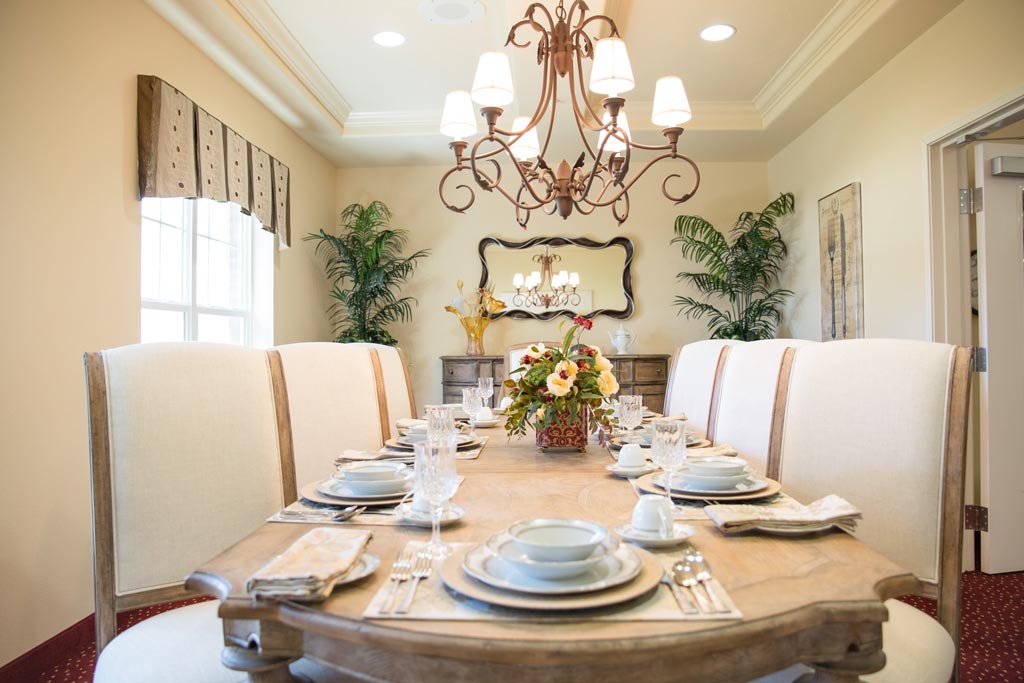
[(643, 374)]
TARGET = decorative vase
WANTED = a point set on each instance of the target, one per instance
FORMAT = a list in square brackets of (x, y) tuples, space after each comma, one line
[(566, 432), (475, 327)]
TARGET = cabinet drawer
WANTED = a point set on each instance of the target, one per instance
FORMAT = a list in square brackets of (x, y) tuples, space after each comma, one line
[(650, 371), (623, 370), (461, 371)]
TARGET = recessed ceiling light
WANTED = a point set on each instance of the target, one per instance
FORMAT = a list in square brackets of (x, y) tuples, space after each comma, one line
[(717, 32), (388, 39), (451, 11)]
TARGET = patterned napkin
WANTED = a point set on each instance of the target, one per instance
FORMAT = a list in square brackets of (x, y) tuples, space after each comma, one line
[(309, 568), (829, 510), (409, 423), (721, 449)]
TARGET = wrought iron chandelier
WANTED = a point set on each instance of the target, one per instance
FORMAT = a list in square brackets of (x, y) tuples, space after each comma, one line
[(603, 180), (561, 290)]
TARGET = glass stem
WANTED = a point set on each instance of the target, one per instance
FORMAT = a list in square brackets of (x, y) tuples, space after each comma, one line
[(472, 425), (435, 524)]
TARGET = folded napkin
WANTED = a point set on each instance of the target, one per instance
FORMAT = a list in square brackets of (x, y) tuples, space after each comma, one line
[(829, 510), (409, 423), (351, 454), (309, 568), (719, 450)]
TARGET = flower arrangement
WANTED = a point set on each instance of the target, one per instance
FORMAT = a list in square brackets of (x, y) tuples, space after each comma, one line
[(560, 385), (475, 315)]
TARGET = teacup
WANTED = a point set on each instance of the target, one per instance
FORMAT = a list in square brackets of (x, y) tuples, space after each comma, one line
[(632, 455), (421, 506), (653, 514), (485, 414)]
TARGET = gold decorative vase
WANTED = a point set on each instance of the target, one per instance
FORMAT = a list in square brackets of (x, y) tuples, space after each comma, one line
[(475, 327)]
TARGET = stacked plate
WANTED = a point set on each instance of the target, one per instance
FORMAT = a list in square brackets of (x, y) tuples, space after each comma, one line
[(408, 441), (713, 478), (552, 564), (369, 482)]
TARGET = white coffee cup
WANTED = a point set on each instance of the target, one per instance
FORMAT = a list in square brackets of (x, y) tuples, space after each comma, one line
[(653, 514), (421, 506), (485, 414), (632, 455)]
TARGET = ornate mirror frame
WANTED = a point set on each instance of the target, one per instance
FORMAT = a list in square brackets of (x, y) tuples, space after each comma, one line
[(627, 274)]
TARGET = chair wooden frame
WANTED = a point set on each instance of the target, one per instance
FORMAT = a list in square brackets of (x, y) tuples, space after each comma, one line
[(946, 590), (108, 603), (716, 388)]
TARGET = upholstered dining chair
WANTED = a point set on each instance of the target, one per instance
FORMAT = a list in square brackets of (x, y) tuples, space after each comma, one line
[(337, 401), (745, 410), (883, 423), (693, 380), (394, 366), (514, 357), (191, 451)]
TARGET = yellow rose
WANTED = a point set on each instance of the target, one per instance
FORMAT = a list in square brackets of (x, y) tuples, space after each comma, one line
[(607, 383), (560, 387), (602, 364), (539, 415), (568, 367)]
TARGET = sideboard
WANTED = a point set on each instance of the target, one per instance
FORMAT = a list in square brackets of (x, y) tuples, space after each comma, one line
[(643, 374)]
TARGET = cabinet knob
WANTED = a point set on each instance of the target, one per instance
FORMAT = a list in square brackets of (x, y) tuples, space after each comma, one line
[(659, 370), (451, 371)]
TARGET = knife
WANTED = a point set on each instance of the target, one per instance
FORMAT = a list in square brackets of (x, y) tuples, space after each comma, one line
[(842, 264)]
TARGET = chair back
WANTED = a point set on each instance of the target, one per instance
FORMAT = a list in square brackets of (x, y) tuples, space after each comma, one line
[(746, 398), (337, 402), (514, 357), (883, 424), (692, 380), (396, 382), (191, 451)]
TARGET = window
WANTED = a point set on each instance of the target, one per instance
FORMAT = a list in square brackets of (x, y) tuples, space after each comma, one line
[(207, 273)]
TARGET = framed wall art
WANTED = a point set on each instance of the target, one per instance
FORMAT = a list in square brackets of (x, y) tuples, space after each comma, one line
[(842, 268)]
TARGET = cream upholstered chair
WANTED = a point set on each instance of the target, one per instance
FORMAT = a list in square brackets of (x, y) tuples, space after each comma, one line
[(336, 401), (191, 451), (883, 423), (514, 357), (745, 408), (693, 378), (394, 368)]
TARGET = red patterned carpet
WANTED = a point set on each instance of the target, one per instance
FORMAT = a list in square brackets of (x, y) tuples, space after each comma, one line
[(991, 640)]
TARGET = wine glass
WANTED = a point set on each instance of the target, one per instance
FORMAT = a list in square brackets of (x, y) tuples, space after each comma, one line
[(440, 422), (472, 402), (668, 450), (631, 413), (436, 482), (486, 386)]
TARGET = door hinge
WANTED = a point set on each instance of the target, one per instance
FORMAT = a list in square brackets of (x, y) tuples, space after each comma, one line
[(980, 359), (972, 200), (975, 518)]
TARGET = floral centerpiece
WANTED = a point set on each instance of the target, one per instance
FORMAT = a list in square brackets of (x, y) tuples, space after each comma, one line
[(563, 393), (475, 315)]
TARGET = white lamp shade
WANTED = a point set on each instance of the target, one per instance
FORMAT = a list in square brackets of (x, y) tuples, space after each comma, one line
[(457, 119), (556, 281), (671, 107), (492, 86), (563, 276), (614, 144), (535, 278), (527, 146), (574, 279), (612, 73), (517, 280)]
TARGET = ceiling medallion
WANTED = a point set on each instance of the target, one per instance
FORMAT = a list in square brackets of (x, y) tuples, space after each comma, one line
[(600, 177)]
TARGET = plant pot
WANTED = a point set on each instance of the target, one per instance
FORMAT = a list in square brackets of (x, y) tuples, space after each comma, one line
[(475, 334), (566, 432)]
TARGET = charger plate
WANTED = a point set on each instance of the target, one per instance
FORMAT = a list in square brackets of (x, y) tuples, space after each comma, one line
[(397, 445), (647, 485), (647, 580), (310, 492), (618, 442)]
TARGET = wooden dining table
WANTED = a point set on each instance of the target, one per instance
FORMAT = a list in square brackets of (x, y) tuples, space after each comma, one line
[(815, 599)]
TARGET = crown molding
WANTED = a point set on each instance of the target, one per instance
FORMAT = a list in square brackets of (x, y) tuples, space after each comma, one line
[(709, 115), (388, 123), (841, 27)]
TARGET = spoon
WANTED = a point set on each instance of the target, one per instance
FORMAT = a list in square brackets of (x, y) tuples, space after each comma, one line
[(684, 575)]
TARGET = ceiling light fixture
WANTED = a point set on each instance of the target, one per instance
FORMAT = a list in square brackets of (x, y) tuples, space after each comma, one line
[(717, 32), (562, 45), (388, 39), (452, 12), (561, 286)]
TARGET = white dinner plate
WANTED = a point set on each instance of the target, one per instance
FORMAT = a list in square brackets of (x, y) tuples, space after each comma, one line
[(373, 487), (802, 531), (405, 513), (504, 546), (336, 488), (412, 439), (752, 485), (613, 569), (650, 539), (363, 567), (630, 472)]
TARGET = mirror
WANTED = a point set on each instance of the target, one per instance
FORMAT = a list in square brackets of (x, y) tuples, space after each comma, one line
[(545, 277)]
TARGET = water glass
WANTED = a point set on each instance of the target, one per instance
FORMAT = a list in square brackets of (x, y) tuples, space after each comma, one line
[(436, 482), (440, 423), (472, 402), (631, 414), (668, 450), (486, 386)]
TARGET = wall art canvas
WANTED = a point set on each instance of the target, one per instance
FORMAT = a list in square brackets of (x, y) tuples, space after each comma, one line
[(842, 270)]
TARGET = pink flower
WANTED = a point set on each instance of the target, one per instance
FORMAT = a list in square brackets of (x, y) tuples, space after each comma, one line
[(527, 360), (583, 322)]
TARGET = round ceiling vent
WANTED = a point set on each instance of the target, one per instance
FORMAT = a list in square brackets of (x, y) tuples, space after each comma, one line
[(451, 11)]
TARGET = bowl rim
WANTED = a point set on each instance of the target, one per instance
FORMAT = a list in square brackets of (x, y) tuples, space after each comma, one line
[(609, 544), (599, 531)]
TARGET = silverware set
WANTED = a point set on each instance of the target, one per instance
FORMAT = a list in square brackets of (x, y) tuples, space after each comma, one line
[(693, 573), (408, 566), (323, 515)]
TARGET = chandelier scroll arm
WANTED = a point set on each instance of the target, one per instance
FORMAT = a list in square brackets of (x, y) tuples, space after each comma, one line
[(496, 185), (440, 191), (677, 199)]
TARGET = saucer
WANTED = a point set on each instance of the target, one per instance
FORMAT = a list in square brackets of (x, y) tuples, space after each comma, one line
[(405, 513), (630, 472), (487, 424), (650, 539)]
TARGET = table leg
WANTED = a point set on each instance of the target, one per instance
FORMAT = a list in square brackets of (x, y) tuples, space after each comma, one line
[(261, 668)]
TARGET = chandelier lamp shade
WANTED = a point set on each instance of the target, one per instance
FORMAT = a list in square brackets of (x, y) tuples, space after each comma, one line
[(560, 289), (605, 171)]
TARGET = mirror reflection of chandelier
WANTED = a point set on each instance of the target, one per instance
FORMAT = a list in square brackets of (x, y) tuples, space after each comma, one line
[(601, 176), (561, 286)]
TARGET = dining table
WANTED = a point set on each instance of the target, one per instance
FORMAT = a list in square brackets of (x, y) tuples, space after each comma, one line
[(815, 599)]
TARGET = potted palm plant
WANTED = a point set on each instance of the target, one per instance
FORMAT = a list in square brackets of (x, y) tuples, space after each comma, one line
[(742, 272), (366, 268)]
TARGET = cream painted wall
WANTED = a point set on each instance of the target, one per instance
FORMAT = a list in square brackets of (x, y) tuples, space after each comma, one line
[(69, 267), (411, 193), (966, 64)]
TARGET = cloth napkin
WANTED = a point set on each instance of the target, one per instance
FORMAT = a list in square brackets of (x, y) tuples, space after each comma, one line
[(409, 423), (309, 568), (829, 510), (721, 449)]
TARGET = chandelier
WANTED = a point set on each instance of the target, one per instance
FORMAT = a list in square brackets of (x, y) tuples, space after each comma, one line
[(600, 176), (560, 293)]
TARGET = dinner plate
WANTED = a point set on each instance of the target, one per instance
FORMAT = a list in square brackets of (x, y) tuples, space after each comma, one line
[(646, 580), (462, 442), (691, 442), (370, 470), (647, 485), (650, 539), (311, 493), (802, 531), (504, 546), (363, 567), (613, 569), (755, 484), (409, 440), (373, 487), (630, 472), (410, 516), (336, 488)]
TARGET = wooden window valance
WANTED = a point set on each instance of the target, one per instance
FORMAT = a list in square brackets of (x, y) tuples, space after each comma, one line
[(184, 151)]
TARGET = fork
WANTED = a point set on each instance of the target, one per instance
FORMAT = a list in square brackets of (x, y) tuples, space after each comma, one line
[(420, 571), (400, 572), (703, 575)]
